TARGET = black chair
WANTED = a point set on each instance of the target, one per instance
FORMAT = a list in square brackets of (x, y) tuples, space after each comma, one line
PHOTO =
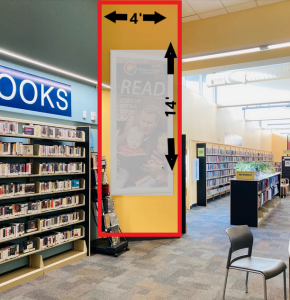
[(241, 237)]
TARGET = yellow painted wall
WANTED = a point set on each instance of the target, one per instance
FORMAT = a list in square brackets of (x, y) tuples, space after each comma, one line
[(258, 26), (279, 144), (140, 213)]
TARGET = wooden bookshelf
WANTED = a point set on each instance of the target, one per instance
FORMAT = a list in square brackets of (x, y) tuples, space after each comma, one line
[(36, 264), (216, 167), (253, 200)]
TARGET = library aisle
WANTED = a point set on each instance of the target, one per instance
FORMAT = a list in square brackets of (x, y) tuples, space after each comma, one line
[(192, 267)]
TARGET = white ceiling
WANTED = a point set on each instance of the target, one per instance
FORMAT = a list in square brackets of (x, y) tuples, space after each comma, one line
[(193, 10)]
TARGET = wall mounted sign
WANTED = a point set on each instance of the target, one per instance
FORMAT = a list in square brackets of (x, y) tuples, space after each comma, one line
[(200, 152), (25, 91), (286, 152), (245, 175)]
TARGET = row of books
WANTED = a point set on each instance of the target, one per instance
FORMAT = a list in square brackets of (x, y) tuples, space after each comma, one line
[(218, 181), (210, 167), (14, 230), (95, 162), (58, 150), (219, 173), (58, 220), (269, 182), (267, 195), (34, 207), (15, 169), (9, 251), (52, 132), (57, 238), (11, 127), (218, 190), (217, 158), (58, 185), (14, 189), (12, 250), (59, 167), (7, 148), (216, 151)]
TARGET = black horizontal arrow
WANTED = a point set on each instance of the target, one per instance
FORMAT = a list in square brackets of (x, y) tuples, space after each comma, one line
[(170, 55), (116, 17), (171, 156), (156, 17)]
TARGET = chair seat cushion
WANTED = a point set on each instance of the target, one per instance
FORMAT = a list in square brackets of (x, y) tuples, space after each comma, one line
[(269, 267)]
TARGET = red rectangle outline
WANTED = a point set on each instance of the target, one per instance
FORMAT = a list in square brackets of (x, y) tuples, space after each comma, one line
[(179, 119)]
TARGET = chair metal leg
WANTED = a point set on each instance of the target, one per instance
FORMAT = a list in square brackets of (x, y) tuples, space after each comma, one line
[(265, 289), (225, 285), (247, 279), (285, 289)]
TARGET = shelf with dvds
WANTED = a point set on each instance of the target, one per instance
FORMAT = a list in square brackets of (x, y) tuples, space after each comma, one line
[(217, 167), (110, 222), (44, 203), (253, 200)]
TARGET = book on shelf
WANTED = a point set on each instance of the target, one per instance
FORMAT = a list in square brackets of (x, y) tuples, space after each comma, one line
[(29, 246)]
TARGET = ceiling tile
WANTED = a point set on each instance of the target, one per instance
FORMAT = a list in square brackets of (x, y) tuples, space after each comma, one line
[(187, 10), (201, 6), (213, 13), (228, 3), (265, 2), (242, 6), (190, 18)]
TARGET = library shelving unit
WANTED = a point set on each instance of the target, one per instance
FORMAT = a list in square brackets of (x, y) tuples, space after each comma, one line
[(217, 167), (41, 260), (253, 200)]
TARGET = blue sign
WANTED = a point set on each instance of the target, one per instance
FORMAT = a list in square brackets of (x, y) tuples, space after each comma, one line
[(26, 91)]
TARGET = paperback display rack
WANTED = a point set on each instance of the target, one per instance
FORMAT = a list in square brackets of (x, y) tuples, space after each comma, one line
[(44, 198), (110, 222), (217, 167)]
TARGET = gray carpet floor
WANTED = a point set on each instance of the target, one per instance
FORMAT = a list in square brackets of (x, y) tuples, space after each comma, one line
[(192, 267)]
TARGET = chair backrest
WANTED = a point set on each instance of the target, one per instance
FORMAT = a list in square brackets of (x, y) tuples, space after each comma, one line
[(240, 237)]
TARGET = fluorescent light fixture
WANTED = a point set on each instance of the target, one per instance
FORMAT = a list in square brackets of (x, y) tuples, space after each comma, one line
[(46, 66), (277, 46), (231, 53), (237, 52)]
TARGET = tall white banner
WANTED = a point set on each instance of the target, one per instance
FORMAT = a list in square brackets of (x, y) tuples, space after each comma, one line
[(140, 86)]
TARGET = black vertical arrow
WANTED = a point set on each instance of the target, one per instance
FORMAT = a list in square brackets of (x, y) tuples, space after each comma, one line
[(171, 156), (116, 17), (170, 55), (156, 17)]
